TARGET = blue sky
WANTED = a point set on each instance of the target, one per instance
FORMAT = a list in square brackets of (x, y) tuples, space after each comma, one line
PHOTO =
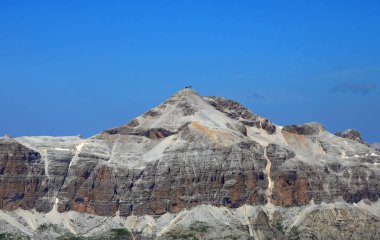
[(79, 67)]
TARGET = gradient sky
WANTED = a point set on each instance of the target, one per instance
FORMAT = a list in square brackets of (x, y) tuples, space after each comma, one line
[(79, 67)]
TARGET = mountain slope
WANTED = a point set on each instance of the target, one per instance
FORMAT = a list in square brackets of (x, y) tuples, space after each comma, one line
[(376, 146), (193, 151)]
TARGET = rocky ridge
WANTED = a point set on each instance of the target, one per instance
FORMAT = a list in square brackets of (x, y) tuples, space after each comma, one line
[(188, 152)]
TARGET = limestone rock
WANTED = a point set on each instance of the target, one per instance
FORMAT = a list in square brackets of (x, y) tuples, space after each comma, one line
[(188, 152)]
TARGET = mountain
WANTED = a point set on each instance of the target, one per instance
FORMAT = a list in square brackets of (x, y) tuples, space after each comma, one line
[(192, 168)]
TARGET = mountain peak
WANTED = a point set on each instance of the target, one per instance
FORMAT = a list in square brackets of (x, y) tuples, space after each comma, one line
[(185, 95), (186, 92), (188, 106), (182, 108)]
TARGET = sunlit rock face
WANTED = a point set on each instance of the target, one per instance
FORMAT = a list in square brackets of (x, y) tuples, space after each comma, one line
[(186, 152)]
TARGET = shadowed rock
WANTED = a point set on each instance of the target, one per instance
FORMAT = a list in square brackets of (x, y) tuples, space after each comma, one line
[(351, 134), (305, 129)]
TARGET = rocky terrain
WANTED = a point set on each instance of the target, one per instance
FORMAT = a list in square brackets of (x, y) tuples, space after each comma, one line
[(192, 168), (351, 134), (376, 146)]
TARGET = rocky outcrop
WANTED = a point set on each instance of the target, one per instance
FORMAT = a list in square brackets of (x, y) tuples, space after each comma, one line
[(305, 129), (237, 111), (351, 134)]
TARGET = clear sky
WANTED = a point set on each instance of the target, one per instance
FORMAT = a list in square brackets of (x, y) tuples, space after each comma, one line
[(79, 67)]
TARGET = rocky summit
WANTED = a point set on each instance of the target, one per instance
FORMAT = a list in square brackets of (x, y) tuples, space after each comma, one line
[(192, 168)]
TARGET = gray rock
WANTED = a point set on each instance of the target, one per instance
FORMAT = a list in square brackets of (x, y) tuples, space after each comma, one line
[(376, 146), (305, 129)]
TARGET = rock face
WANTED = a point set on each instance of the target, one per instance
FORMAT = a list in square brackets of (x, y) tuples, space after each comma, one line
[(186, 152), (21, 175), (351, 134)]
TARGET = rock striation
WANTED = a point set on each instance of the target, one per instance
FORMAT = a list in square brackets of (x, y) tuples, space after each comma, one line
[(187, 152), (21, 175)]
